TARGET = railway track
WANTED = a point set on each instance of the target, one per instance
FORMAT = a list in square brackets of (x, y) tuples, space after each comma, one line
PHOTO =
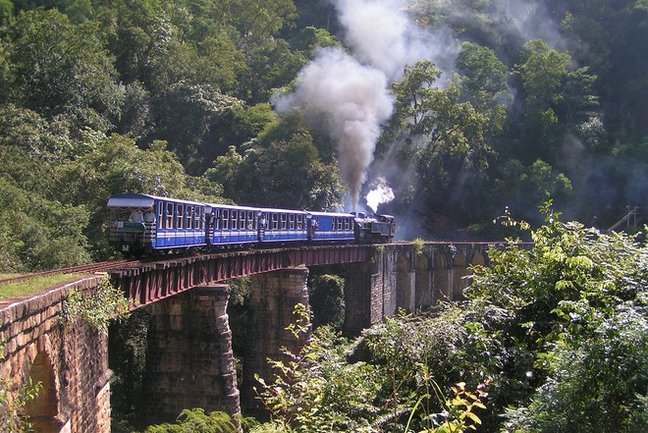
[(80, 269)]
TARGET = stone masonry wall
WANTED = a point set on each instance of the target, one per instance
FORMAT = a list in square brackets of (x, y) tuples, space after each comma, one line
[(273, 296), (189, 362), (70, 361)]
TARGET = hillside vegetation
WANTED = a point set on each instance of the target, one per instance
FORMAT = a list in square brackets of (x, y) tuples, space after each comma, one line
[(174, 98)]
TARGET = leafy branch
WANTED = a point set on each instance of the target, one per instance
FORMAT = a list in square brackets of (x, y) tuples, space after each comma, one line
[(106, 303)]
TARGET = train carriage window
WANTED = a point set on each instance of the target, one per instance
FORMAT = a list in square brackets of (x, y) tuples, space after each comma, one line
[(160, 215), (275, 221), (189, 216), (251, 220), (169, 216), (197, 217), (242, 224), (291, 222), (179, 216), (234, 225), (225, 218), (347, 224), (339, 223), (216, 218), (283, 221), (300, 222)]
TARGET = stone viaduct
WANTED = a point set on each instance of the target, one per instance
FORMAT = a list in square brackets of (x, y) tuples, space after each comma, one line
[(189, 359)]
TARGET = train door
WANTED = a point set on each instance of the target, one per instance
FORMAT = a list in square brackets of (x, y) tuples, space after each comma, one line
[(262, 225), (160, 228)]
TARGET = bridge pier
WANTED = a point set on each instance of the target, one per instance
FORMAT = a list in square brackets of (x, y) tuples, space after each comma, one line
[(189, 360), (406, 282), (370, 291), (273, 296)]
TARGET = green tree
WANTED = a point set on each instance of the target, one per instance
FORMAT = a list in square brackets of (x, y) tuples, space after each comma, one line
[(484, 80), (326, 297), (522, 188), (557, 100), (187, 113), (257, 20), (572, 310), (117, 165), (445, 139), (197, 421), (63, 69), (40, 234), (272, 66)]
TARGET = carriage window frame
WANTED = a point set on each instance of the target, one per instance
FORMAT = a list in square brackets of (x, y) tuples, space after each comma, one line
[(225, 216), (168, 216), (160, 215), (291, 222), (283, 219), (188, 221), (299, 222), (233, 214), (275, 221), (251, 220), (347, 224), (197, 217), (242, 219), (216, 218), (339, 224)]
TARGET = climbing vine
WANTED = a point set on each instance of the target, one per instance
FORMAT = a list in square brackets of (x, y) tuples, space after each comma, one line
[(106, 303)]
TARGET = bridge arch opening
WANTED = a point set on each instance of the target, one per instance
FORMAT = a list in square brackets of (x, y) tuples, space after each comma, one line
[(43, 410), (440, 279), (424, 296), (460, 270), (405, 296)]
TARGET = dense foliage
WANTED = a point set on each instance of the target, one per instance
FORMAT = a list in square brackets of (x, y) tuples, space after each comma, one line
[(549, 338), (174, 97)]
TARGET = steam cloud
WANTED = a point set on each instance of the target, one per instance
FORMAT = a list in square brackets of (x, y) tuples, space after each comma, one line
[(350, 101), (382, 193), (348, 93)]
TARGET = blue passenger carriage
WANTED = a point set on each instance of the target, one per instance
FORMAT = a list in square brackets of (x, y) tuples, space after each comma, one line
[(233, 225), (145, 223), (282, 225), (331, 226)]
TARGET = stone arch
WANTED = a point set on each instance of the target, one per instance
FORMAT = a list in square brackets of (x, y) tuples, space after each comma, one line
[(440, 277), (423, 280), (459, 271), (477, 259), (405, 282), (43, 409)]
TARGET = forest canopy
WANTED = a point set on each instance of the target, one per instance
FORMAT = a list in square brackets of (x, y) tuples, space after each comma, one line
[(502, 104)]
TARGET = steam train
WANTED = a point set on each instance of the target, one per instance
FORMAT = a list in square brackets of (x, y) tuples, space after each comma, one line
[(147, 225)]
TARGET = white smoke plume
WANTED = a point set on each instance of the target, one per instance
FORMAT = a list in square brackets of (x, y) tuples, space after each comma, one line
[(348, 92), (349, 100), (381, 193), (382, 35)]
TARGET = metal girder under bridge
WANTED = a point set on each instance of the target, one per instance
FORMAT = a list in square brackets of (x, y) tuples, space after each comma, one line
[(157, 279)]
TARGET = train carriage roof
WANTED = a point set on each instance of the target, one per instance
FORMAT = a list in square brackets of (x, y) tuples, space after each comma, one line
[(334, 214), (143, 201)]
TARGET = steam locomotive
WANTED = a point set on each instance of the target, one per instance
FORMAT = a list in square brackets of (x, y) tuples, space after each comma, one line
[(146, 225)]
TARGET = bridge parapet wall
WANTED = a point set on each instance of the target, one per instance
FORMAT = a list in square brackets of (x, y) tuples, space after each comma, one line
[(70, 361)]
